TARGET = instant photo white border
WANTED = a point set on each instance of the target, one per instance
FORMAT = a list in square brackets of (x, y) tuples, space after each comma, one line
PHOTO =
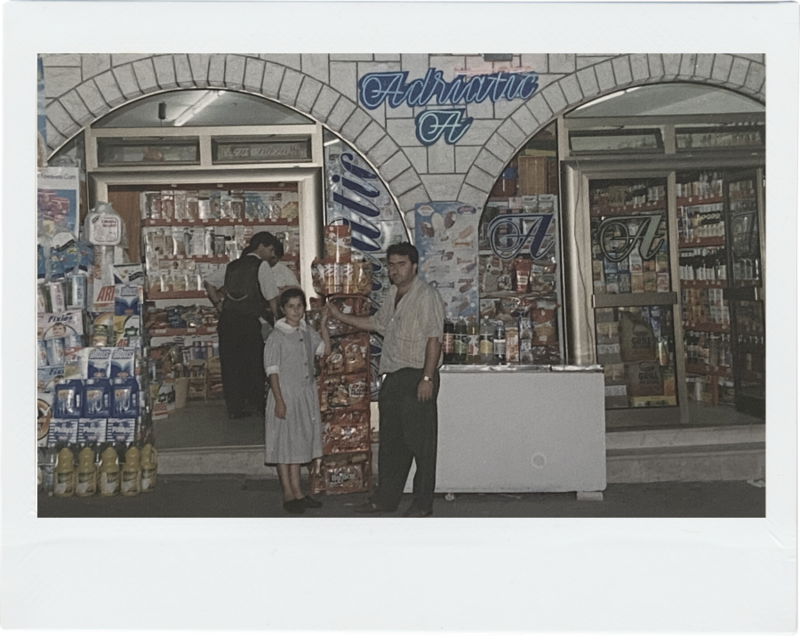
[(543, 575)]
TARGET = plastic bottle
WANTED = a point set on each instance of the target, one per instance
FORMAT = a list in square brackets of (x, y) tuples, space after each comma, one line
[(485, 345), (149, 468), (86, 484), (65, 474), (448, 341), (499, 344), (473, 342), (108, 473), (129, 484), (460, 342)]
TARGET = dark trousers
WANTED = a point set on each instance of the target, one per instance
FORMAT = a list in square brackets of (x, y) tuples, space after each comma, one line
[(241, 357), (408, 430)]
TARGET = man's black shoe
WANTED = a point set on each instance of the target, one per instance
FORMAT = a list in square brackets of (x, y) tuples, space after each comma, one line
[(309, 502)]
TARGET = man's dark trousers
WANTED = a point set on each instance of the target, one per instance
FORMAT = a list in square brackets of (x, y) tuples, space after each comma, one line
[(408, 430), (241, 357)]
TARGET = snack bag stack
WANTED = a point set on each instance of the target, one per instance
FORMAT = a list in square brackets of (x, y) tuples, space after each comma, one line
[(344, 379)]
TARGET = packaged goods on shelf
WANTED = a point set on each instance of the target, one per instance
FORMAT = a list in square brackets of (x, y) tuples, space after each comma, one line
[(345, 430), (62, 431)]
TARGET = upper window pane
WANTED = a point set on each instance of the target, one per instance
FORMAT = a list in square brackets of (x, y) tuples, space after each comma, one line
[(201, 108)]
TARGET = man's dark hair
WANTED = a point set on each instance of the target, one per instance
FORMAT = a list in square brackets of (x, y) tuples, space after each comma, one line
[(403, 249), (292, 292), (261, 238), (279, 251)]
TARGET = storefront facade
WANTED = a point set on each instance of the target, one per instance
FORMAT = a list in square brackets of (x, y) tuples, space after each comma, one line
[(489, 137)]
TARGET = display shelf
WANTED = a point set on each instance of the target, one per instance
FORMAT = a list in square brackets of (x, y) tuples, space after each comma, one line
[(704, 284), (707, 326), (698, 200), (175, 295), (706, 241), (704, 369), (606, 210), (219, 222), (186, 331)]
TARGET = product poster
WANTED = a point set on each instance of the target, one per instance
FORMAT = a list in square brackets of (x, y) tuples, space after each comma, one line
[(58, 200), (446, 235)]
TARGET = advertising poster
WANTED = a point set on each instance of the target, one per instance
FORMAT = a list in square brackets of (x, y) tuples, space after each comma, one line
[(58, 200), (446, 235)]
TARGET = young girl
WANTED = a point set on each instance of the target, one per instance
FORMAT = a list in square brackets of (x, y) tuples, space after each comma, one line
[(293, 425)]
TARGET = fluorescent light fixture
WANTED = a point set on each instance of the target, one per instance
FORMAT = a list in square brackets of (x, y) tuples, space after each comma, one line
[(198, 106)]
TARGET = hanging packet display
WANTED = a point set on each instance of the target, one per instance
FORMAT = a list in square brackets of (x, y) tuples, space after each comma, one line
[(98, 362), (48, 377), (68, 399), (128, 274), (92, 430), (127, 299), (96, 398), (62, 432), (121, 430), (125, 398), (60, 325), (122, 363)]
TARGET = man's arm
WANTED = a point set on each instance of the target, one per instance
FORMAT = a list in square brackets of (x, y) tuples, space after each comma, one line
[(359, 322), (425, 388), (215, 294)]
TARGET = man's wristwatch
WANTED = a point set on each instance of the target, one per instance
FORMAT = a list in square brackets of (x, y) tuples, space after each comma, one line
[(427, 378)]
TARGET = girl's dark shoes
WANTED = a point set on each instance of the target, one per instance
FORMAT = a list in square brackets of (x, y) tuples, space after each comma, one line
[(308, 502), (294, 506)]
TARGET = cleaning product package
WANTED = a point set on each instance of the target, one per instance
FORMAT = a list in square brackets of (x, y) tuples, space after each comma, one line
[(68, 399), (96, 398), (121, 430), (62, 432)]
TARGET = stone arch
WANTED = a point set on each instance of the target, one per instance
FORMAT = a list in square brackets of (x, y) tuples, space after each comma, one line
[(296, 81), (738, 73)]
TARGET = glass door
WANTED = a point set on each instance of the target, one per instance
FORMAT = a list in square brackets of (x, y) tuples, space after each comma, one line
[(743, 191), (634, 298)]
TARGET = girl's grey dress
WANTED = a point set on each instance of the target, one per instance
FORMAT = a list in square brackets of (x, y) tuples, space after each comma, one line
[(289, 352)]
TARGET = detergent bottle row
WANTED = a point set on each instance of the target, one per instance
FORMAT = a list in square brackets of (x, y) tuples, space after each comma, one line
[(136, 474)]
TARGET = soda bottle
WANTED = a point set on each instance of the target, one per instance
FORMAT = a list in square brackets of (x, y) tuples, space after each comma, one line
[(448, 341), (460, 344), (473, 342), (499, 344), (485, 344)]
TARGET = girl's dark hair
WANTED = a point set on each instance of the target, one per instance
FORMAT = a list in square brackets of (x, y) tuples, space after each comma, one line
[(404, 249), (292, 292), (258, 239)]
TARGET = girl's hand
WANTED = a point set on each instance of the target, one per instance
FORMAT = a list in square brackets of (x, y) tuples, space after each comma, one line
[(280, 409)]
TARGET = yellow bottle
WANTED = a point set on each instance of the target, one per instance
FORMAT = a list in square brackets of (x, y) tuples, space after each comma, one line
[(149, 468), (86, 484), (131, 473), (108, 473), (65, 474)]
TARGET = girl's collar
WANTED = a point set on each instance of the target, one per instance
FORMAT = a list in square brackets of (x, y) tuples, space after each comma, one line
[(285, 327)]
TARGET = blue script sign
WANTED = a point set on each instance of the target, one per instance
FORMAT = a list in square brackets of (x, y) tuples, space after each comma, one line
[(393, 88), (509, 233)]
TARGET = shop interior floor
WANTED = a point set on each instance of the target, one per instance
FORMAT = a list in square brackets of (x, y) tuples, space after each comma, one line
[(201, 424)]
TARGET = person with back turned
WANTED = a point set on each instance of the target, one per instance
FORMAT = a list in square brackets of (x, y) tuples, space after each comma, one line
[(411, 321), (243, 297)]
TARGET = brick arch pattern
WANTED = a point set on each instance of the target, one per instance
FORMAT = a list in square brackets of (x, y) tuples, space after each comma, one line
[(298, 81), (742, 74), (87, 87)]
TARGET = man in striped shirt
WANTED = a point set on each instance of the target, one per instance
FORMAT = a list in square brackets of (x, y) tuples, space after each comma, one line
[(411, 321)]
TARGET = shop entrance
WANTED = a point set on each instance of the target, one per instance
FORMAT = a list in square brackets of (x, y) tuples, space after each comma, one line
[(677, 301)]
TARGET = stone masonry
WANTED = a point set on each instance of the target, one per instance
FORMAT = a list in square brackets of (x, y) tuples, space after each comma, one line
[(80, 89)]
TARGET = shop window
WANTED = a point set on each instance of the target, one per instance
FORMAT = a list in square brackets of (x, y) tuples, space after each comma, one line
[(519, 260), (635, 345)]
